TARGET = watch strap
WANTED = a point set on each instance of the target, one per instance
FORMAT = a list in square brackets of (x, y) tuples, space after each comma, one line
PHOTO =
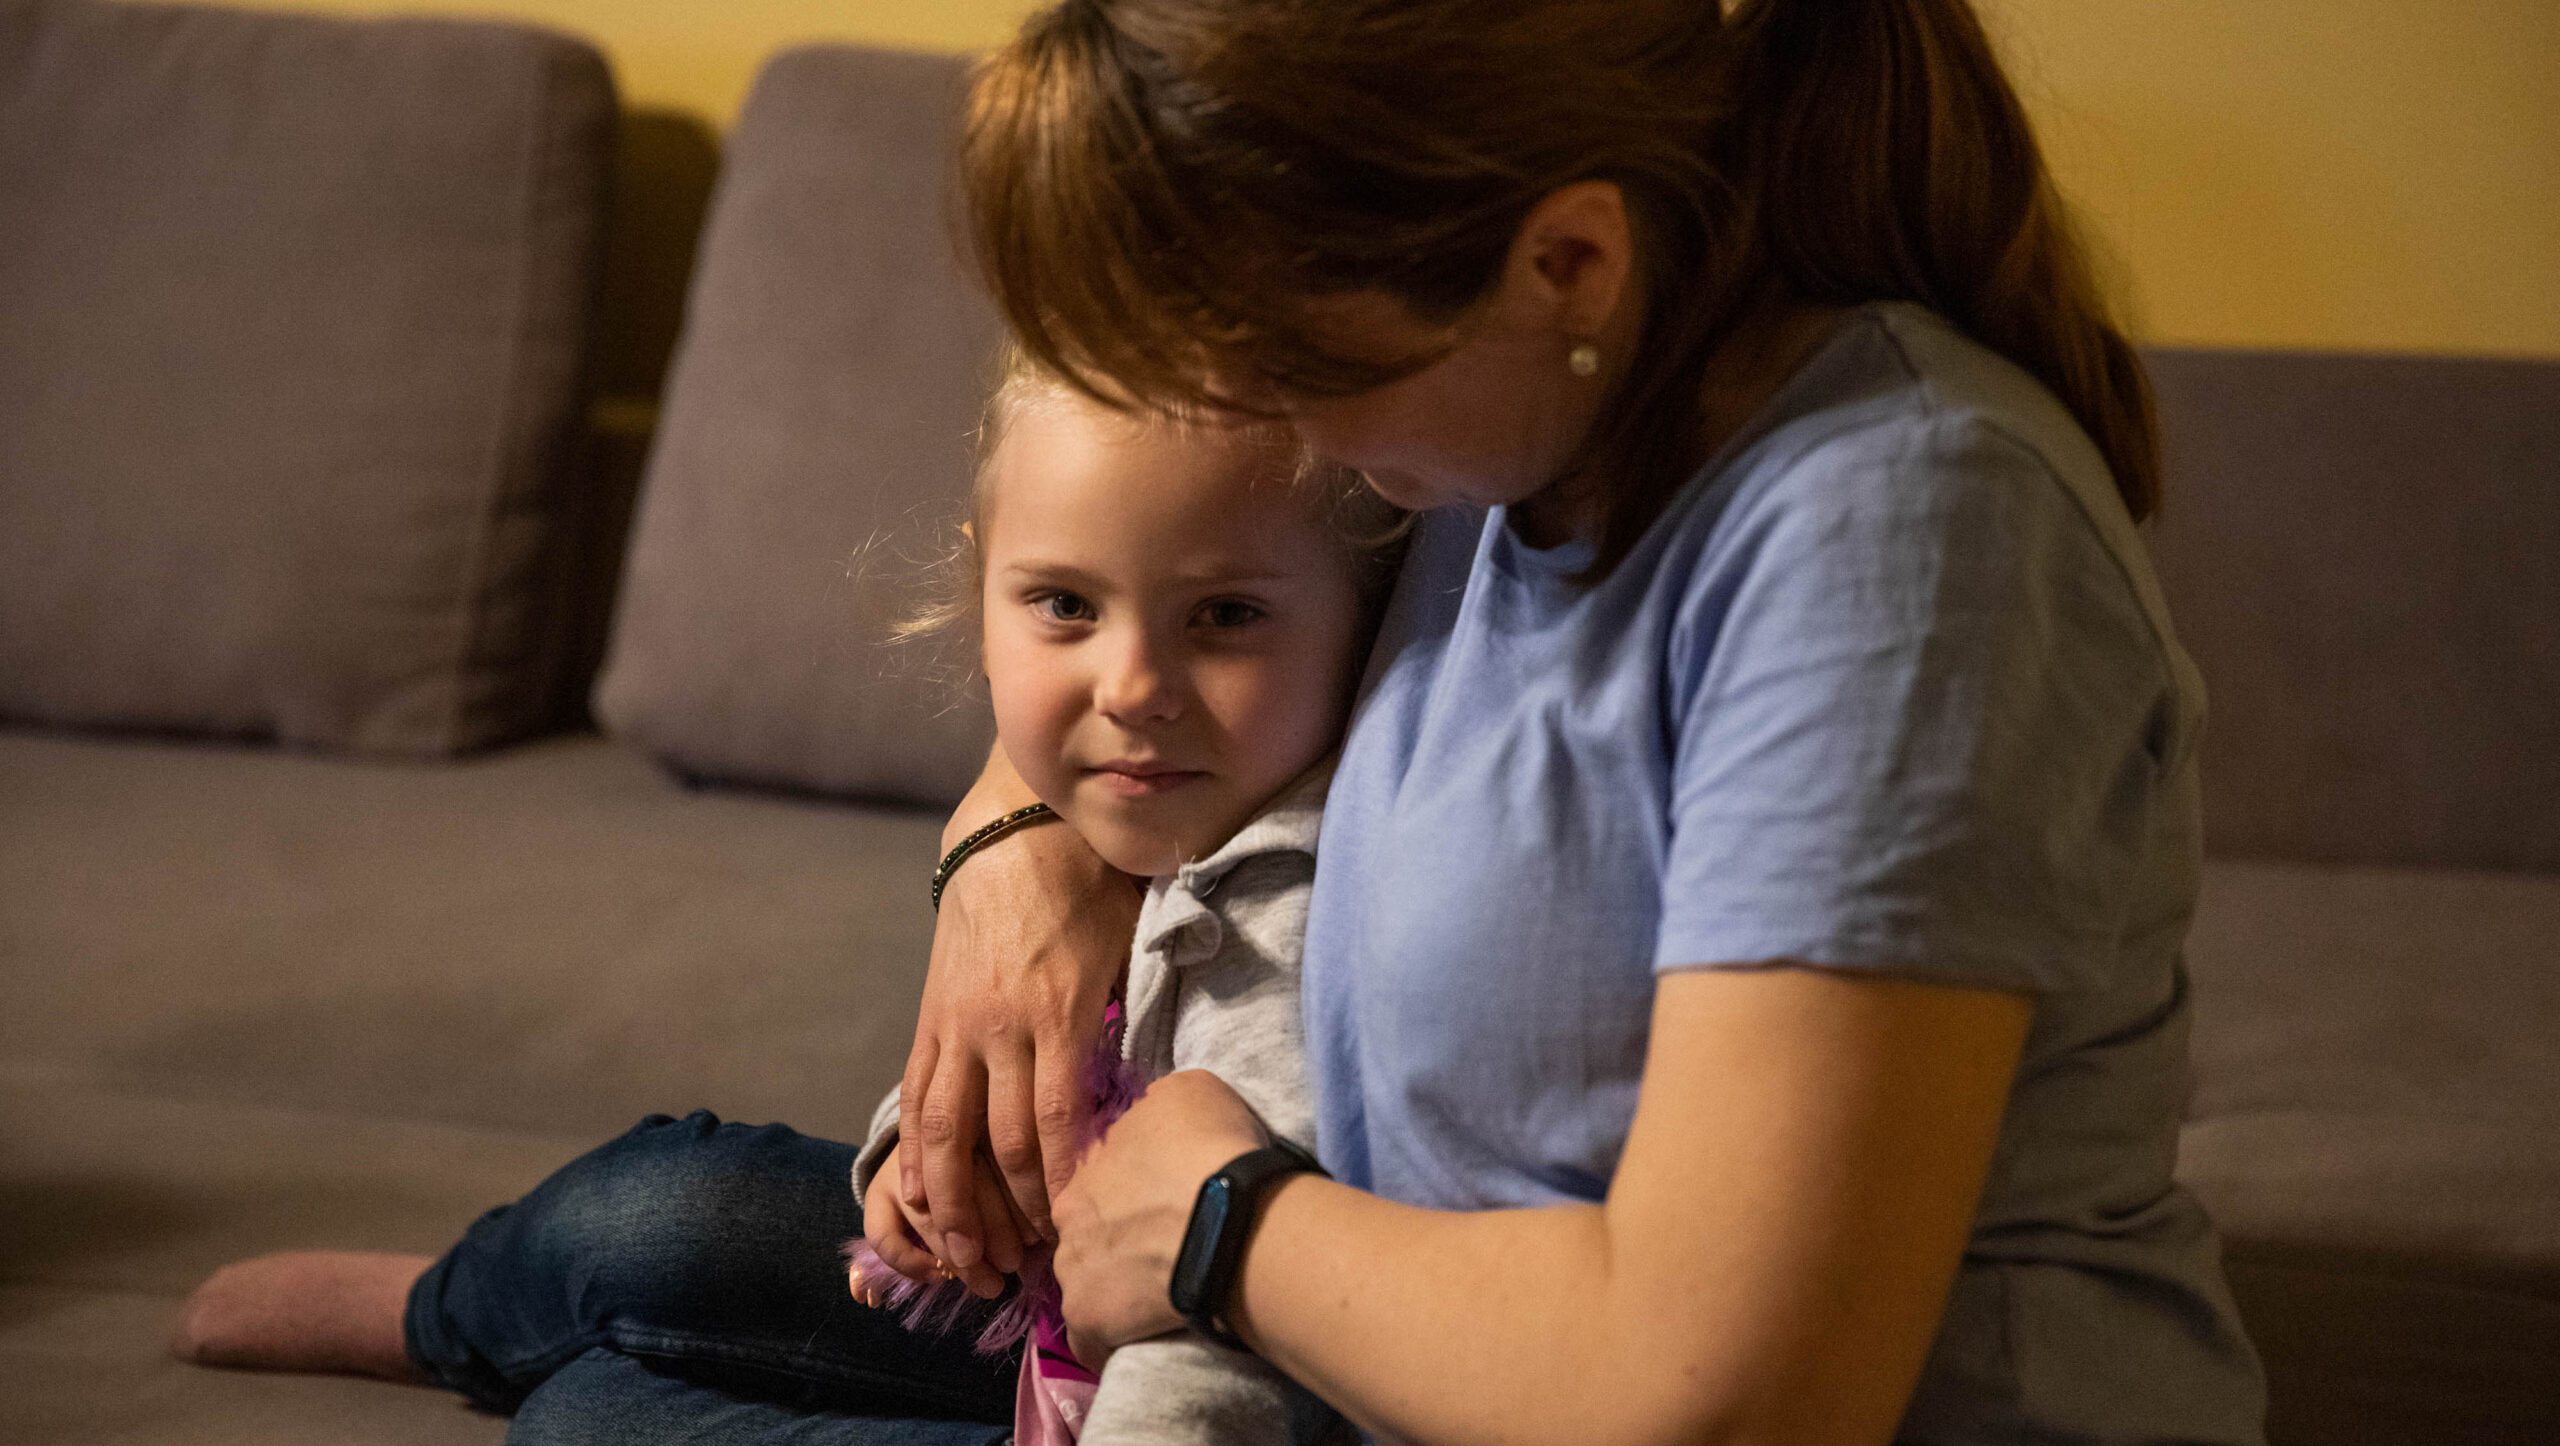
[(1222, 1219)]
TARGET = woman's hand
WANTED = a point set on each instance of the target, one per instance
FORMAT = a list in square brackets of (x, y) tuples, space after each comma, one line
[(1033, 931), (1121, 1219)]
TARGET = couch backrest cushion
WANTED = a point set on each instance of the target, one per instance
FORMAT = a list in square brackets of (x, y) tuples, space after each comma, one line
[(292, 317), (2360, 550), (817, 430)]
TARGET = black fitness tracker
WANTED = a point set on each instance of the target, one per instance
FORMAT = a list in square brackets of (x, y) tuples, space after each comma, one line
[(1204, 1273)]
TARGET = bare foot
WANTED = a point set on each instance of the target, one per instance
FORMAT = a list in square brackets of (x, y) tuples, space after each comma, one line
[(339, 1311)]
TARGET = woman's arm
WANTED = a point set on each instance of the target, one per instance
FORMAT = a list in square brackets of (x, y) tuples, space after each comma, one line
[(1770, 1265), (1031, 935)]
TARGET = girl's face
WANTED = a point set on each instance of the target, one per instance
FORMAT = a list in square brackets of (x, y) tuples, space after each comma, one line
[(1169, 635)]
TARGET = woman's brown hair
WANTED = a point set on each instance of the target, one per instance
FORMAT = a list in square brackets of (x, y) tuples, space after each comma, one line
[(1156, 190)]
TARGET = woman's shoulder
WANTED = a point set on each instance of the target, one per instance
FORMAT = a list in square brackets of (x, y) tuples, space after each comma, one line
[(1904, 447), (1900, 400)]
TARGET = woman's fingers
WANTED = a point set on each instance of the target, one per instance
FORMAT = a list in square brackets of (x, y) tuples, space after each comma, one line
[(1017, 1137), (947, 1127), (1000, 1225), (1059, 1107), (1001, 1238), (913, 1086)]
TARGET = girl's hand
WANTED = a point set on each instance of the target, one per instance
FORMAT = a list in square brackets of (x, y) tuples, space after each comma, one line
[(897, 1232), (1033, 931), (1121, 1219), (895, 1237)]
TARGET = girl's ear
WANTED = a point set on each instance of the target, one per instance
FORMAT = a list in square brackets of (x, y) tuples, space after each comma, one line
[(969, 530), (1573, 255)]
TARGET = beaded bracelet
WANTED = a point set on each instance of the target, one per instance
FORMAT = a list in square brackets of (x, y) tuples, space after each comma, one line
[(979, 839)]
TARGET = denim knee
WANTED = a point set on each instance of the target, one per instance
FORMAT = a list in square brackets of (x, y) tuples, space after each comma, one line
[(686, 1235), (679, 1218)]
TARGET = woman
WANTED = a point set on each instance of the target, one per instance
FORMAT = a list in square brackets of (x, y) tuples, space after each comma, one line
[(1742, 978), (1743, 984)]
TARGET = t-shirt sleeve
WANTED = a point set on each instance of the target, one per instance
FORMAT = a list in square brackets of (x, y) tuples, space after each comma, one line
[(1918, 709)]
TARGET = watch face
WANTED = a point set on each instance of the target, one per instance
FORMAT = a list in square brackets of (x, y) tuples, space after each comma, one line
[(1191, 1268)]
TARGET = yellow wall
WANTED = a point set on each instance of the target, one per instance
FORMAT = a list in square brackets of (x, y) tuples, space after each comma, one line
[(2296, 173), (2351, 173)]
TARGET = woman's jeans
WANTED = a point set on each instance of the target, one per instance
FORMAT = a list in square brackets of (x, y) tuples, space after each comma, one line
[(687, 1282)]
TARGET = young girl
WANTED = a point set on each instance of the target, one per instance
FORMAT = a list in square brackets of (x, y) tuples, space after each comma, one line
[(1171, 624), (1173, 618)]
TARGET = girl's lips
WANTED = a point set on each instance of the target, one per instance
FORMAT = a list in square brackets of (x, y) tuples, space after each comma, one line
[(1136, 784)]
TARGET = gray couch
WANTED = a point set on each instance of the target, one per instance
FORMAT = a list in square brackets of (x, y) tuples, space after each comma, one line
[(325, 919)]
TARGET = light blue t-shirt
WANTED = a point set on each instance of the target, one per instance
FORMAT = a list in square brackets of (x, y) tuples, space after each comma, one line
[(1889, 687)]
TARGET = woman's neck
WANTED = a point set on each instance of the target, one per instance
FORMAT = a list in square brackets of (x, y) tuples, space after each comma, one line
[(1766, 347)]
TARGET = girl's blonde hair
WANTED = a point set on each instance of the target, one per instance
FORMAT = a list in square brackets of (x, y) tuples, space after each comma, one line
[(1157, 190), (1370, 530)]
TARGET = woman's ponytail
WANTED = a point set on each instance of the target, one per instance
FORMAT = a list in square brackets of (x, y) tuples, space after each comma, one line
[(1883, 155)]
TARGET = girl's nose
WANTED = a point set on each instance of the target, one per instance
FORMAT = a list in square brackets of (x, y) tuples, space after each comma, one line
[(1138, 685)]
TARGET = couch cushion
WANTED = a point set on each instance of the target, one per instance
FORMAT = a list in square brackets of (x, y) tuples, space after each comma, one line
[(2358, 552), (817, 431), (290, 369), (2376, 1128), (557, 937)]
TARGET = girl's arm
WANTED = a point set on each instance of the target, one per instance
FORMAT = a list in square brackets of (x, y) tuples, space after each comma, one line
[(1770, 1264)]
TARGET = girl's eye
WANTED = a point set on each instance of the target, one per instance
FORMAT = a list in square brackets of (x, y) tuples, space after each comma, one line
[(1229, 613), (1062, 607)]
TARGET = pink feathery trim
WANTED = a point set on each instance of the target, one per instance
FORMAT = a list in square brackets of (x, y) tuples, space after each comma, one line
[(1114, 1084)]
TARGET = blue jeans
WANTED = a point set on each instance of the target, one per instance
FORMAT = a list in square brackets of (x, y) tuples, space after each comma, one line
[(685, 1282)]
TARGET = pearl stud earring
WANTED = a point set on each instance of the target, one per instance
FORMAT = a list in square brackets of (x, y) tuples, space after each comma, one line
[(1583, 360)]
